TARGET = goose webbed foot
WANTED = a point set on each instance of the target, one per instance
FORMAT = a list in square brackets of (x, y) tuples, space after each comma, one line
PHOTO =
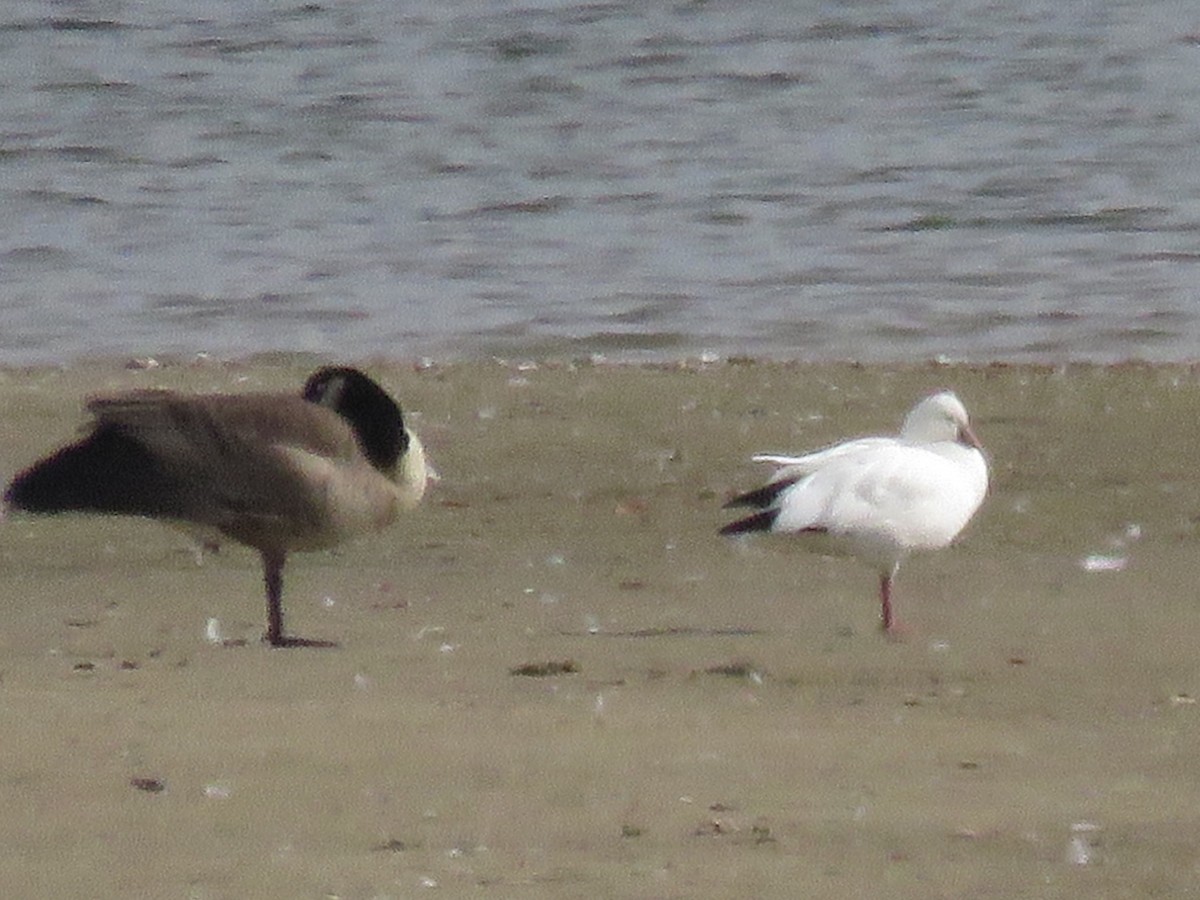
[(285, 641)]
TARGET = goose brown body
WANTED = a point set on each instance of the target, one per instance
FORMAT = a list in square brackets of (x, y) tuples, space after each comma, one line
[(276, 472)]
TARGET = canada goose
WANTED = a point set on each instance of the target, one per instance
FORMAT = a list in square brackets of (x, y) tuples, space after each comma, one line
[(277, 472), (877, 498)]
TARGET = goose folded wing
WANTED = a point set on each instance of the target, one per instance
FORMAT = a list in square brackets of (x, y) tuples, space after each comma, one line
[(231, 461)]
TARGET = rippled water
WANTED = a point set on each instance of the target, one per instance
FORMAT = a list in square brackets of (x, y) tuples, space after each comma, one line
[(864, 179)]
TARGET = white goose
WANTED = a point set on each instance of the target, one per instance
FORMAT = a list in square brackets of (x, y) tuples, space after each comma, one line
[(878, 498), (276, 472)]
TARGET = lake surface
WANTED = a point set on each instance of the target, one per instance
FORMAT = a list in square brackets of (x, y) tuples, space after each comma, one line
[(880, 181)]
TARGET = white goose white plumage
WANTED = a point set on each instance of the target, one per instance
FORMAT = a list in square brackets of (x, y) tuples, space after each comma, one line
[(878, 498)]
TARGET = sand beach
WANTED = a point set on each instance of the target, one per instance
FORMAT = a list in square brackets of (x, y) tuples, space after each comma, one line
[(556, 680)]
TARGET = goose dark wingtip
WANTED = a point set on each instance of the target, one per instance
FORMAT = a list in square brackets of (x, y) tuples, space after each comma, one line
[(104, 472), (762, 497), (760, 521)]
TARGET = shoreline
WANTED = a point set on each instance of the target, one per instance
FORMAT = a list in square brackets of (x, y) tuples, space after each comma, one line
[(597, 360)]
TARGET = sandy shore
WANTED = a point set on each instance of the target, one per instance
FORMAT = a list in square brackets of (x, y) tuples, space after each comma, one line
[(735, 727)]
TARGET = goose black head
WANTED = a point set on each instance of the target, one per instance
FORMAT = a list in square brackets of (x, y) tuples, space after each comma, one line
[(374, 416)]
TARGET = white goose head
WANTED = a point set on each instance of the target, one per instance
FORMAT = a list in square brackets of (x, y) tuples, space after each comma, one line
[(939, 417)]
